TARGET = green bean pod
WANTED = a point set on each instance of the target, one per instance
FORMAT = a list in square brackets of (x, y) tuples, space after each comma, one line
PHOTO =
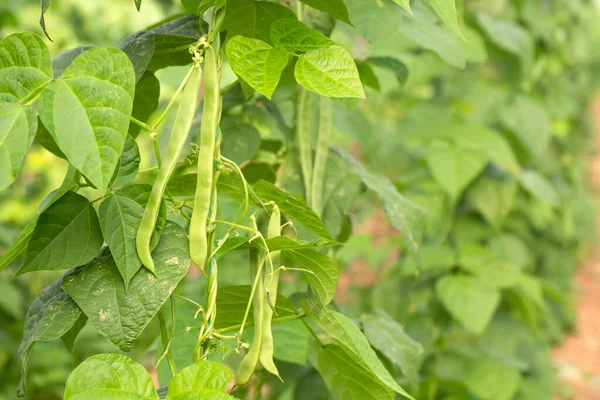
[(249, 363), (304, 139), (188, 102), (270, 297), (321, 155), (206, 160)]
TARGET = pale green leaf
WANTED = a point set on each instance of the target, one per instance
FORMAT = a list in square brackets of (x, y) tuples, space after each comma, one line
[(110, 377), (289, 32), (538, 187), (24, 58), (446, 10), (354, 346), (389, 338), (491, 379), (469, 300), (330, 72), (87, 111), (66, 235), (291, 342), (336, 8), (121, 315), (64, 59), (493, 198), (404, 4), (257, 63), (454, 167), (202, 380), (120, 217), (18, 126), (241, 142)]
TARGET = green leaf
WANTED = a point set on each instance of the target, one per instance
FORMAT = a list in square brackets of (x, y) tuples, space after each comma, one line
[(171, 42), (325, 272), (129, 164), (18, 126), (404, 4), (121, 315), (471, 301), (389, 338), (538, 187), (43, 137), (493, 198), (51, 314), (24, 58), (257, 63), (289, 32), (422, 29), (232, 302), (530, 123), (45, 4), (145, 101), (291, 341), (138, 4), (97, 89), (120, 218), (353, 348), (202, 380), (336, 8), (110, 377), (11, 300), (67, 234), (454, 167), (393, 65), (69, 338), (404, 215), (347, 378), (446, 10), (293, 208), (242, 140), (253, 19), (330, 72), (511, 38), (64, 59), (491, 379)]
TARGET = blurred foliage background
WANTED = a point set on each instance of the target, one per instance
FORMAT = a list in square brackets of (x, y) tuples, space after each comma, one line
[(493, 216)]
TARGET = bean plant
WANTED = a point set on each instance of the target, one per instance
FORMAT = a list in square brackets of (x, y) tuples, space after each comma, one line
[(225, 254)]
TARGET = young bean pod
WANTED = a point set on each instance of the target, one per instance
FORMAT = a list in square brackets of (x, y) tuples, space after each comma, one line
[(248, 365), (321, 155), (206, 160), (304, 139), (188, 102), (270, 296)]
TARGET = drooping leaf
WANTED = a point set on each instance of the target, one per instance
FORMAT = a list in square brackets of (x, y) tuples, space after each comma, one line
[(121, 315), (66, 235), (45, 4), (289, 32), (446, 10), (232, 302), (257, 63), (390, 339), (145, 102), (99, 97), (404, 215), (110, 377), (454, 167), (354, 349), (51, 314), (253, 19), (336, 8), (18, 126), (325, 272), (471, 301), (329, 72), (290, 206), (129, 164), (24, 58), (69, 338), (120, 217), (202, 380)]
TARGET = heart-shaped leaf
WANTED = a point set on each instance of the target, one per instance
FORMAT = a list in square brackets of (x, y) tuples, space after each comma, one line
[(121, 315), (87, 111), (67, 234), (330, 72)]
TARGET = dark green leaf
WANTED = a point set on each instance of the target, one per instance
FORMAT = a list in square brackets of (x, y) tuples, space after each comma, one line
[(129, 164), (64, 59), (336, 8), (67, 234), (145, 102), (253, 19), (121, 315), (325, 272)]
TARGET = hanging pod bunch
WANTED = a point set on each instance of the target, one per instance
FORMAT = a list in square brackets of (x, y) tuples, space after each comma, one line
[(203, 200), (188, 101)]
